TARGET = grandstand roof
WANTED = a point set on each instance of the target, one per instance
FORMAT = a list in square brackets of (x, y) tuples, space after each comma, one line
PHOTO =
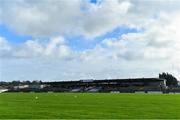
[(108, 80)]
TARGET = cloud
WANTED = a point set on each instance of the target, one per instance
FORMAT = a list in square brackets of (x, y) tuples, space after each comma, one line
[(5, 48), (41, 18), (50, 18), (153, 49), (140, 54), (53, 48), (159, 40), (4, 45), (78, 17), (104, 17)]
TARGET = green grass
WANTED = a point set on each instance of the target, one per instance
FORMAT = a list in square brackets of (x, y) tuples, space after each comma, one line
[(84, 105)]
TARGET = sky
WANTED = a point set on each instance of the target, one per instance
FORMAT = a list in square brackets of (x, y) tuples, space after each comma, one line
[(53, 40)]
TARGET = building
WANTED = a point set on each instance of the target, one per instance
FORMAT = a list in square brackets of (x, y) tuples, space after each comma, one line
[(108, 85)]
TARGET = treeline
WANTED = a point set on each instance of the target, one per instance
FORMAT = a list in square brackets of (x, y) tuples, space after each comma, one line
[(18, 82), (171, 81)]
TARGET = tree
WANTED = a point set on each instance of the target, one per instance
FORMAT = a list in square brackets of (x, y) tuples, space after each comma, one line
[(170, 79)]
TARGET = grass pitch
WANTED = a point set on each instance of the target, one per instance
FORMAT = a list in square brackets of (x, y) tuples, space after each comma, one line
[(88, 106)]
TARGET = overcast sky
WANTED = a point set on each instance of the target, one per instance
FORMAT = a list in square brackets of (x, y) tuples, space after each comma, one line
[(88, 39)]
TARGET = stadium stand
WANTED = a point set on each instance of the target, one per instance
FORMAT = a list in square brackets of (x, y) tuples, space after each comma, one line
[(108, 85)]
